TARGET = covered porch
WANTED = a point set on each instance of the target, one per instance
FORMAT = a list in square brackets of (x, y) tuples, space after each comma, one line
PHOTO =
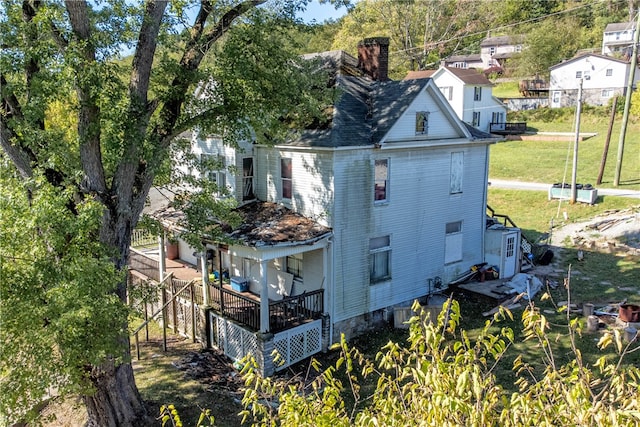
[(265, 292)]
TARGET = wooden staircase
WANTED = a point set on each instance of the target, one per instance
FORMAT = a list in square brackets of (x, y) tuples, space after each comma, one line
[(525, 245)]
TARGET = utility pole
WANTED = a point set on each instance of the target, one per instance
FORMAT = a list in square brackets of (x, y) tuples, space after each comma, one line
[(627, 101), (574, 171)]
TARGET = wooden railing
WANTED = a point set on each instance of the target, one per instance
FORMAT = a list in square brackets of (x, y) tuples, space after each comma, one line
[(291, 311), (235, 306), (508, 128), (283, 314)]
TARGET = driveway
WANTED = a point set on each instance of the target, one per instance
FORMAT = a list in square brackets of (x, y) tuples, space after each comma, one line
[(538, 186)]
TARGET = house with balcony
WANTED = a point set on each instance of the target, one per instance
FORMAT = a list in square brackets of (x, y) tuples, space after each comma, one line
[(496, 50), (617, 39), (343, 222), (470, 95), (602, 77)]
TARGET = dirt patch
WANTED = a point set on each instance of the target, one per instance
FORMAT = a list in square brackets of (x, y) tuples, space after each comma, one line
[(612, 231)]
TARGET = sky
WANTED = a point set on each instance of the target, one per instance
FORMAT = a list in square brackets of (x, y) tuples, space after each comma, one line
[(321, 12)]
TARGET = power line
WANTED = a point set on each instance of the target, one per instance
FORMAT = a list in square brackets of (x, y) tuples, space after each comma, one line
[(503, 27)]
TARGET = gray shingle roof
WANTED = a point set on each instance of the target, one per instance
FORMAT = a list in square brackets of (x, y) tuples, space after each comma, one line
[(363, 112), (619, 26)]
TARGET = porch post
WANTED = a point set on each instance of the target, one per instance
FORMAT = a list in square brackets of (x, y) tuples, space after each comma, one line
[(264, 298), (205, 278), (325, 276), (161, 256)]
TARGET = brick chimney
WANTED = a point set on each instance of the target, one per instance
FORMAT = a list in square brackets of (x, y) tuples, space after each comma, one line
[(373, 57)]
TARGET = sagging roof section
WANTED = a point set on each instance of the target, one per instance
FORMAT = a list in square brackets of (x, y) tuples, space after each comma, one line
[(267, 223)]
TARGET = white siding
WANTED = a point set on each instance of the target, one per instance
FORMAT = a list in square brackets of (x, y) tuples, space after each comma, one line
[(463, 102), (312, 182), (419, 206), (439, 126)]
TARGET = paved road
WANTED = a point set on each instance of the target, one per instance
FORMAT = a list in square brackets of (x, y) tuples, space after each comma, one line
[(538, 186)]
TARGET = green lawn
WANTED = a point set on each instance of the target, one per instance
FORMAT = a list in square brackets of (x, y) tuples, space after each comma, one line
[(551, 161)]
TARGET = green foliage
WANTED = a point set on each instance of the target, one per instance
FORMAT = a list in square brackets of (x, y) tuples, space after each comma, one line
[(58, 308), (443, 377)]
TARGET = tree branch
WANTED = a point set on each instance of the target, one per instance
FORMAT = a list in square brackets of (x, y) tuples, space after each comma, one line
[(89, 112), (197, 46)]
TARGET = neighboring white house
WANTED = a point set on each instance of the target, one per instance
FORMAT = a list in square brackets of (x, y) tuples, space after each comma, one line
[(617, 39), (369, 211), (603, 77), (494, 51), (464, 61), (469, 93)]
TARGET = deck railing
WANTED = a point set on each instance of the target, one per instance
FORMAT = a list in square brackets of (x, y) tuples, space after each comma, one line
[(291, 311), (283, 314), (508, 128)]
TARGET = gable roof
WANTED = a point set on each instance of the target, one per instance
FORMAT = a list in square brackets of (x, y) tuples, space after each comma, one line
[(587, 55), (474, 57), (619, 26), (363, 113), (501, 41), (468, 76), (422, 74)]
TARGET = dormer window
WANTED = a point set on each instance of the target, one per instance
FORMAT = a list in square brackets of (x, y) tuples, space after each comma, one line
[(422, 122)]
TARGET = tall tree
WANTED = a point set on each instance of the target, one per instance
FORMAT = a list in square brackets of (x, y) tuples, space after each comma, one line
[(421, 32), (83, 137)]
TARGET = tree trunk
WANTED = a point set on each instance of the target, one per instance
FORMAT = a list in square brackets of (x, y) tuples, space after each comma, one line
[(116, 401)]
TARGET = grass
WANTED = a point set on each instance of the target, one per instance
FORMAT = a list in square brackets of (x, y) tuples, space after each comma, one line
[(535, 214), (551, 161), (506, 90)]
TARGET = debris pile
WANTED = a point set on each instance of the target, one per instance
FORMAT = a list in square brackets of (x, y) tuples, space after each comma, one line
[(212, 368)]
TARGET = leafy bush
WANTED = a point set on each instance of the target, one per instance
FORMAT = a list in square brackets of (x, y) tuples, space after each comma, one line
[(442, 377)]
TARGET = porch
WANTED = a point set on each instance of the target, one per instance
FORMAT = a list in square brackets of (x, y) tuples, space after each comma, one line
[(243, 307), (217, 315)]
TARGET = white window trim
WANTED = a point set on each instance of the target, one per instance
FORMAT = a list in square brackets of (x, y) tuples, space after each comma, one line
[(378, 250)]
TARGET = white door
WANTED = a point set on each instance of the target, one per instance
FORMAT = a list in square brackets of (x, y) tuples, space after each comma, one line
[(509, 254), (556, 97)]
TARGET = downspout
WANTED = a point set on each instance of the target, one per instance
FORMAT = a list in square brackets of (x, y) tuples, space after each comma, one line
[(485, 199)]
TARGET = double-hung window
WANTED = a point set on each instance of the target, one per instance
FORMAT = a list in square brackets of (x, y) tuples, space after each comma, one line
[(476, 119), (453, 242), (447, 91), (578, 74), (247, 179), (609, 72), (213, 167), (286, 176), (294, 265), (381, 180), (380, 259), (477, 93)]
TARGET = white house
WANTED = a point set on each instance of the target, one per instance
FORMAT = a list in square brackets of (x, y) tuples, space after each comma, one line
[(495, 51), (617, 39), (603, 77), (364, 215), (469, 93)]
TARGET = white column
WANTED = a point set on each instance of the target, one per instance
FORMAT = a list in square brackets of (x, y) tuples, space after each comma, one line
[(161, 256), (264, 298), (205, 278)]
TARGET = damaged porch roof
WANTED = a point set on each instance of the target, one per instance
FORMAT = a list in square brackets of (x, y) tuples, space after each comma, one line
[(263, 224), (267, 223)]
